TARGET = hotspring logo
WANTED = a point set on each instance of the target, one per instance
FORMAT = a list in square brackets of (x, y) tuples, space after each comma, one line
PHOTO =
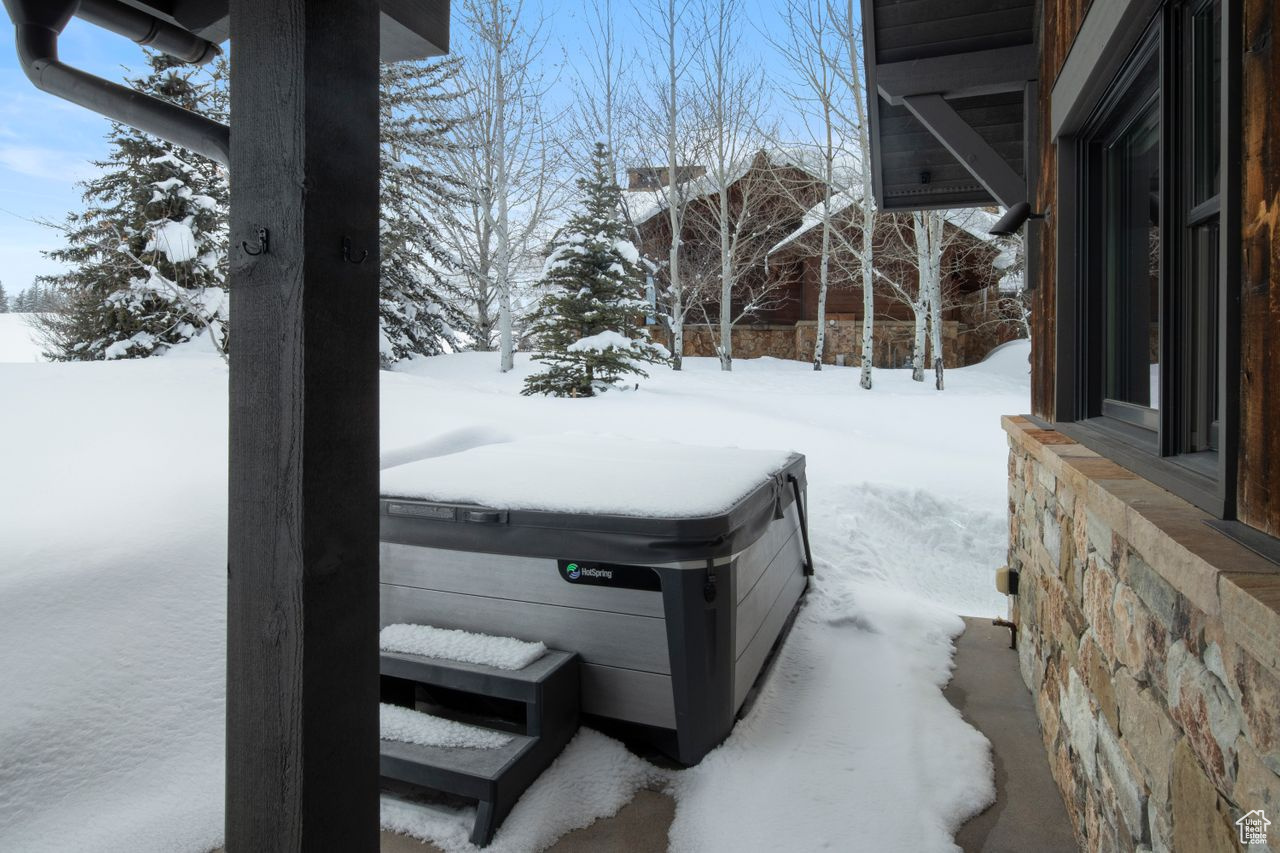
[(575, 572)]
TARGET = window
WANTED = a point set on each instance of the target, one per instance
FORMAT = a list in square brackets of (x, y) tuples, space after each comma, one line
[(1197, 431), (1126, 156), (1148, 237)]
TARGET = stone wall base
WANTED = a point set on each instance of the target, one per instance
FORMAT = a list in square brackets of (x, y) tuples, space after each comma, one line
[(842, 344), (1151, 643)]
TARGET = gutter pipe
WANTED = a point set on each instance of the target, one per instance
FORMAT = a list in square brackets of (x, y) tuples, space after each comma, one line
[(38, 23)]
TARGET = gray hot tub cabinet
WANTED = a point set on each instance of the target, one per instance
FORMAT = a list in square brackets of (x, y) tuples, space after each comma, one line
[(673, 618)]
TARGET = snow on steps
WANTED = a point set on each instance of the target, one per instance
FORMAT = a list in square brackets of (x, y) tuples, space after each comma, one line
[(440, 754), (406, 725), (463, 646)]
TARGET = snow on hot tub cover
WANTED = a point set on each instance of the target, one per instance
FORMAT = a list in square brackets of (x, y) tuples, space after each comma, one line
[(584, 473)]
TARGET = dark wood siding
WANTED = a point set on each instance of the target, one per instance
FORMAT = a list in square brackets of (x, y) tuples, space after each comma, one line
[(1258, 471), (1060, 23), (1258, 492)]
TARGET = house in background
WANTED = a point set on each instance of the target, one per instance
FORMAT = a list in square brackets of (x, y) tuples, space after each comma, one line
[(775, 204), (1135, 143), (981, 287)]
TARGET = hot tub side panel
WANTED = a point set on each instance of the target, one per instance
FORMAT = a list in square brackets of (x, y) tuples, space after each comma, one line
[(770, 580), (722, 622), (620, 634)]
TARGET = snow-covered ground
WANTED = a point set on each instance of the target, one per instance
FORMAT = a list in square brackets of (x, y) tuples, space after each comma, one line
[(113, 574), (18, 340)]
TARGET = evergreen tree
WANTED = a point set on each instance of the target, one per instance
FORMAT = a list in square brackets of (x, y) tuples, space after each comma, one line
[(148, 254), (4, 300), (587, 321), (421, 309)]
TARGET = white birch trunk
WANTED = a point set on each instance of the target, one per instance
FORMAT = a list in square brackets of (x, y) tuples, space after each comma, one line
[(824, 261), (921, 304), (673, 194), (503, 255), (868, 206), (934, 220), (726, 285), (824, 268)]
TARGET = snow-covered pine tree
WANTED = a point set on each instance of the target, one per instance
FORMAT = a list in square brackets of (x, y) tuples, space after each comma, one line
[(4, 300), (588, 319), (421, 307), (148, 254)]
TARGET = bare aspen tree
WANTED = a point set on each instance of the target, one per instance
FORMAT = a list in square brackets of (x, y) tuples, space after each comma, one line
[(601, 81), (767, 192), (811, 48), (667, 24), (928, 236), (733, 95), (504, 161), (850, 29)]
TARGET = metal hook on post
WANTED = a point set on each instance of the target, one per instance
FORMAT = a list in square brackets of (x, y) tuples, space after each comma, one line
[(346, 252), (263, 244)]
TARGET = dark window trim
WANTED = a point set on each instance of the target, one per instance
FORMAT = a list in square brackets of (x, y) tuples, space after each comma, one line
[(1230, 245), (1116, 440), (1111, 441)]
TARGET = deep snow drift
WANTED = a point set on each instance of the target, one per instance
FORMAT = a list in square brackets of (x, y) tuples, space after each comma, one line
[(113, 575)]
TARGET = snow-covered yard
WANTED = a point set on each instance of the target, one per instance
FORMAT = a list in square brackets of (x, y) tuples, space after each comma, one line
[(18, 339), (113, 572)]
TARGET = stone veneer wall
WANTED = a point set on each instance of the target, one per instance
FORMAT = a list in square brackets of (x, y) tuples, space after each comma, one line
[(894, 339), (1151, 643)]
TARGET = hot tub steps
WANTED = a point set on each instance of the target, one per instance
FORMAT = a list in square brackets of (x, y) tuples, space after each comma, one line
[(541, 715)]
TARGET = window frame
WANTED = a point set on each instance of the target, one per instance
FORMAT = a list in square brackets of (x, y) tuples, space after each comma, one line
[(1205, 478)]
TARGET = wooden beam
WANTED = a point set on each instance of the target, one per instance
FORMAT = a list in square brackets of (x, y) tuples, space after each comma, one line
[(302, 605), (969, 148), (959, 75)]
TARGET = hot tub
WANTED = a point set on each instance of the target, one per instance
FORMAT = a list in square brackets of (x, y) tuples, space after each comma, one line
[(671, 570)]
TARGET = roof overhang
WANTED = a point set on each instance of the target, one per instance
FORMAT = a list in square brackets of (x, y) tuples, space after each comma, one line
[(410, 29), (949, 85)]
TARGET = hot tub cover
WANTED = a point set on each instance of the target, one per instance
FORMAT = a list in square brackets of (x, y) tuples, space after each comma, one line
[(590, 494)]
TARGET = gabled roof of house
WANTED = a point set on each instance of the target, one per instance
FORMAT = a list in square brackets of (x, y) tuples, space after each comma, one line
[(840, 202), (975, 222), (644, 204)]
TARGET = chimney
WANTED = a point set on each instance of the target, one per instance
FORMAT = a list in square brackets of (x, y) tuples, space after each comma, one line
[(656, 177)]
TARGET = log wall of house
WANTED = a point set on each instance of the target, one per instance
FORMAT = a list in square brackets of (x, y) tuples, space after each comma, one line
[(1060, 22), (1258, 486), (1258, 480)]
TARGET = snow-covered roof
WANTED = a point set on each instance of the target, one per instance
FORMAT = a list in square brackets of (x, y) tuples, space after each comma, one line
[(975, 222), (644, 204), (812, 218)]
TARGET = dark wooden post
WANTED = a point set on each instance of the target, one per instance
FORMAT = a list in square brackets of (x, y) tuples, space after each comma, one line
[(302, 609)]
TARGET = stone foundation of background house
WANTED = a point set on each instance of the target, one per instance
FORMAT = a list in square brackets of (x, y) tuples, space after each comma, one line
[(894, 340), (1151, 643)]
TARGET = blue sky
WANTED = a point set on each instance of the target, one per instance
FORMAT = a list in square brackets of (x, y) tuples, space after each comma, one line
[(46, 144), (45, 147)]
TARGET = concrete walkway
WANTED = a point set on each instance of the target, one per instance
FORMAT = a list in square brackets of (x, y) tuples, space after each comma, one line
[(1028, 813)]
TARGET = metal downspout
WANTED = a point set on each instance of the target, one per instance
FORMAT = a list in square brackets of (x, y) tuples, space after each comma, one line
[(37, 25)]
